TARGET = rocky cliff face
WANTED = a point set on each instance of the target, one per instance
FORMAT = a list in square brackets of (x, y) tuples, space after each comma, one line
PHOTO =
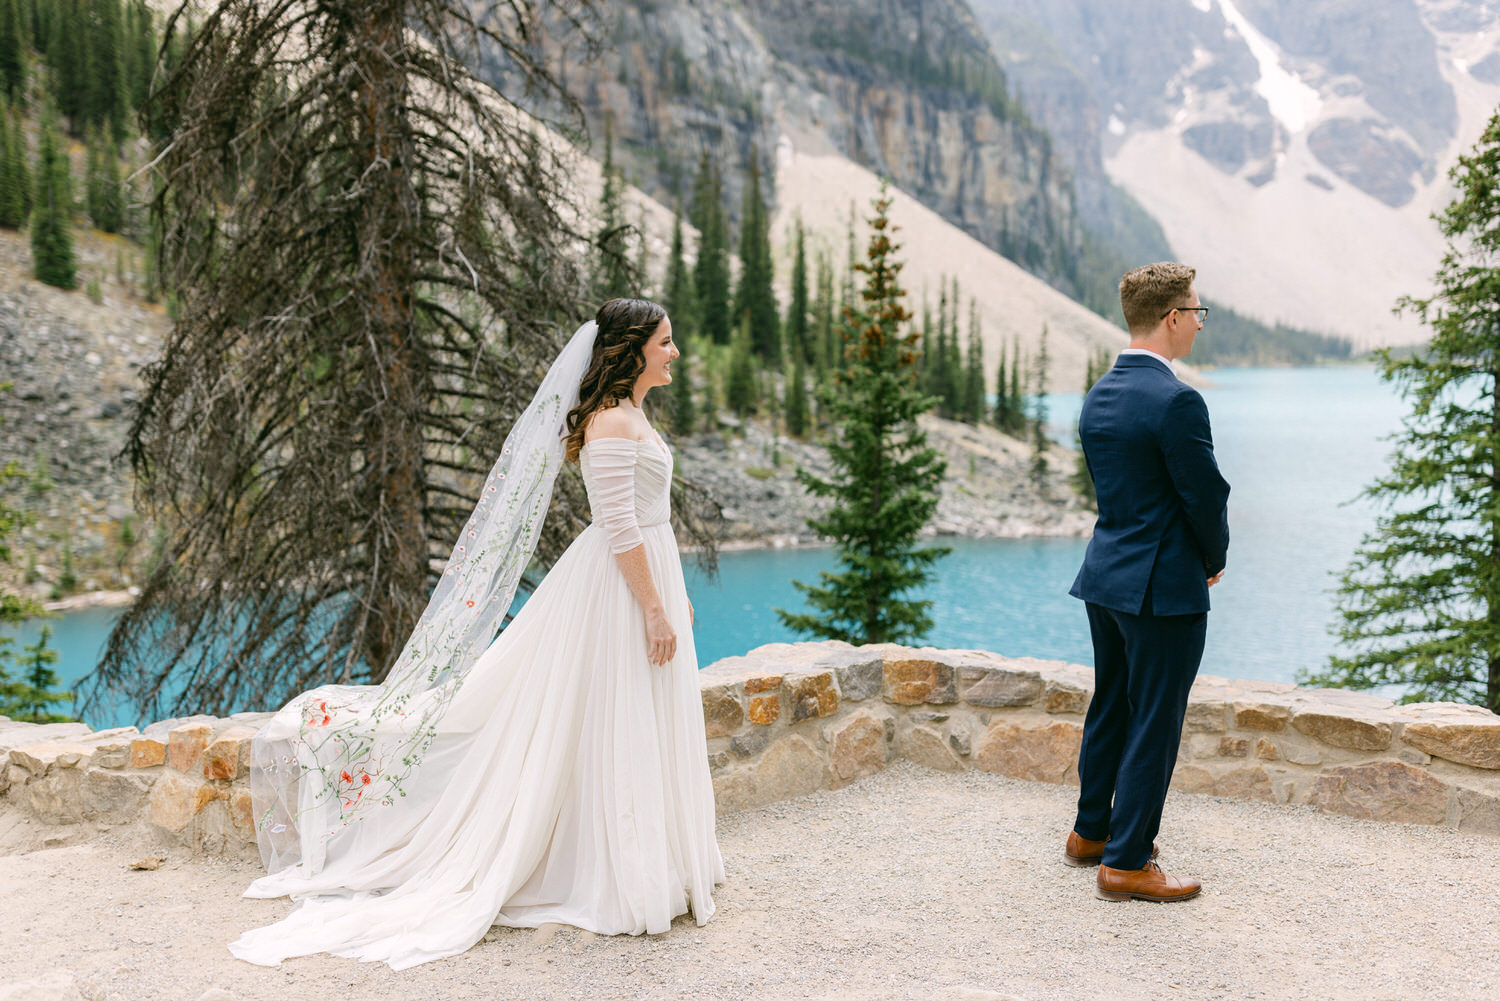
[(907, 88)]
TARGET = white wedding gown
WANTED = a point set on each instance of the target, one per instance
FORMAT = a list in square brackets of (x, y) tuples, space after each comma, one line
[(568, 782)]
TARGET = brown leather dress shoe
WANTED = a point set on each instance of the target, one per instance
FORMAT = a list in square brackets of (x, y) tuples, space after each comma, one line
[(1081, 852), (1149, 883)]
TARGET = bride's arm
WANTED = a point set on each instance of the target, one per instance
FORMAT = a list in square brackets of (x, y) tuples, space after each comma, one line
[(612, 457), (661, 638)]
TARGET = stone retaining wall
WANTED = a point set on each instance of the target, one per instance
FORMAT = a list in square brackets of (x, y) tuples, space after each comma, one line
[(787, 719), (790, 718)]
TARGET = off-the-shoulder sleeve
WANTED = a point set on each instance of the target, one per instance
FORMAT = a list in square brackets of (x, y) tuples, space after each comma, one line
[(612, 461)]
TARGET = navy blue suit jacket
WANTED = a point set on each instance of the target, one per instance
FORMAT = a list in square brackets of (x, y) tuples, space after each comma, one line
[(1163, 517)]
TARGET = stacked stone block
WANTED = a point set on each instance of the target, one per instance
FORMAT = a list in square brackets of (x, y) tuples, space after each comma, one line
[(185, 778), (1345, 752)]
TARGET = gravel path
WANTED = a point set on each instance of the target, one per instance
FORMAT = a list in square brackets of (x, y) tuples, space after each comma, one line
[(909, 884)]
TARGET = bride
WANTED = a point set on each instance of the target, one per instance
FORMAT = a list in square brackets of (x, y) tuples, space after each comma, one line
[(556, 774)]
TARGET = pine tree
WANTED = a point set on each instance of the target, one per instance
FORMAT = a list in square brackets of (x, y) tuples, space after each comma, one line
[(1015, 402), (108, 90), (141, 39), (709, 411), (15, 609), (1039, 442), (825, 330), (106, 196), (31, 700), (641, 267), (885, 479), (740, 390), (937, 375), (945, 380), (928, 368), (953, 362), (93, 175), (1419, 605), (1002, 399), (614, 277), (679, 297), (754, 298), (711, 269), (797, 328), (849, 295), (684, 416), (176, 49), (68, 40), (37, 16), (137, 69), (15, 179), (13, 45), (974, 374), (51, 225), (795, 406)]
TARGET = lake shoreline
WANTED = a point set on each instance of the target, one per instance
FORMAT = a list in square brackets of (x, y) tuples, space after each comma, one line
[(105, 598), (1066, 529)]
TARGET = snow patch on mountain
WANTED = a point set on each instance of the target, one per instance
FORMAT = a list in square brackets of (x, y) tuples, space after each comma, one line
[(1292, 102)]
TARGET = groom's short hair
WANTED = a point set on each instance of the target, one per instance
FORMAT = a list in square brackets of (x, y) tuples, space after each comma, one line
[(1152, 290)]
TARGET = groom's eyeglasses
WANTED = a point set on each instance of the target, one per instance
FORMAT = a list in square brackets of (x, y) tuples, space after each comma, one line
[(1202, 312)]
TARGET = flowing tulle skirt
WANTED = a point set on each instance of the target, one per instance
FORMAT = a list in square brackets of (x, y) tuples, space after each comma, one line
[(568, 783)]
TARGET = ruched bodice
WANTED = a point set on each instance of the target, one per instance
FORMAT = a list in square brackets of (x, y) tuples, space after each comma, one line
[(629, 486)]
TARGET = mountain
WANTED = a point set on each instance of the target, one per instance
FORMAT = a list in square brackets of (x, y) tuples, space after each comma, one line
[(906, 88), (1293, 151)]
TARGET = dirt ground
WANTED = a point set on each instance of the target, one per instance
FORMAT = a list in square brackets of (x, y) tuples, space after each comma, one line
[(909, 884)]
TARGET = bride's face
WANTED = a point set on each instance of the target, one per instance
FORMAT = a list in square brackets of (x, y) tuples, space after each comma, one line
[(659, 352)]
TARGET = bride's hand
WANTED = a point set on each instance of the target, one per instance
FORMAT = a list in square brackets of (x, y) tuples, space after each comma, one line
[(661, 638), (692, 617)]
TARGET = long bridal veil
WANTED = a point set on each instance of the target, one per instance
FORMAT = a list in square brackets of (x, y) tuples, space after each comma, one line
[(336, 755)]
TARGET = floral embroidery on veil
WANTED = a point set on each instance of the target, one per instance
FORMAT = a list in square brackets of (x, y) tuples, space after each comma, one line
[(334, 751)]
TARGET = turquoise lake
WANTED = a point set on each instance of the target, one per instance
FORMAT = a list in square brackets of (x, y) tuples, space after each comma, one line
[(1297, 446)]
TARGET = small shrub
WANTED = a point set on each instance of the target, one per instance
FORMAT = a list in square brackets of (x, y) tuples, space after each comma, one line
[(40, 480)]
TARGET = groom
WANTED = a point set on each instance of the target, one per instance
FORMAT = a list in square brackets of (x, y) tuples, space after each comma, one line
[(1158, 546)]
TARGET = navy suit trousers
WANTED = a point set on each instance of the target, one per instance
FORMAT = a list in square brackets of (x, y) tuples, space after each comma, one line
[(1144, 666)]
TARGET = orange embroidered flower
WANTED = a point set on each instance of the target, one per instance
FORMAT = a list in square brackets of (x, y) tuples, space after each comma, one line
[(365, 779), (345, 776)]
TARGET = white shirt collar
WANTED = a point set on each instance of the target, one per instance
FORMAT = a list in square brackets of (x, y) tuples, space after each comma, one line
[(1151, 354)]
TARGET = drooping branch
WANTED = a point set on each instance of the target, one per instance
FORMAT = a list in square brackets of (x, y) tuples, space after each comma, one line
[(374, 260)]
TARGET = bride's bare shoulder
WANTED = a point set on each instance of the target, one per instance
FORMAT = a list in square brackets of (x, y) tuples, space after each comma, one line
[(610, 423)]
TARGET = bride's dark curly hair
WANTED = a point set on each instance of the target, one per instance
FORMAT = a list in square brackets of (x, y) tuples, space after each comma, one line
[(625, 325)]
